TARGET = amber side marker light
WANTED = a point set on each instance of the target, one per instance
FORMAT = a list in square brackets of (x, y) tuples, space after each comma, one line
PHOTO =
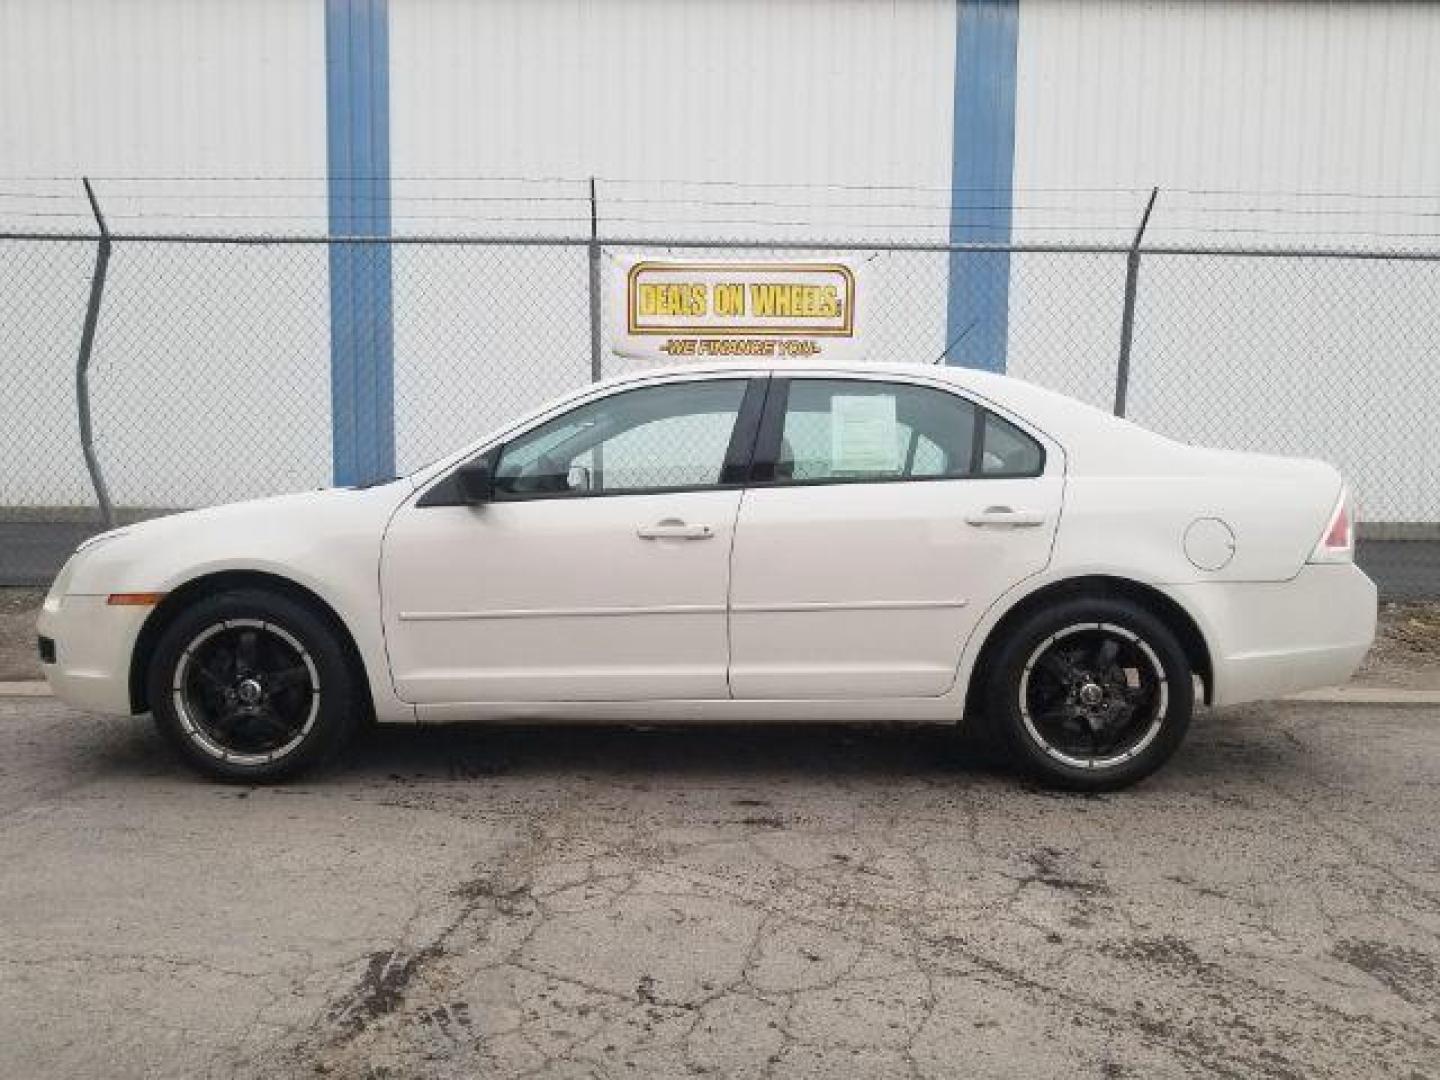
[(135, 599)]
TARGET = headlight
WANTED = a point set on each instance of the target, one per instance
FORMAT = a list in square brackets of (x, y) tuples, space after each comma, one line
[(61, 585)]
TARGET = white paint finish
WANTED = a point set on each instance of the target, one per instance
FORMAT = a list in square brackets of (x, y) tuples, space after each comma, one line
[(927, 710), (558, 598), (1270, 639), (94, 666), (826, 606), (609, 625), (1209, 543), (325, 541), (870, 591), (561, 613), (1278, 508)]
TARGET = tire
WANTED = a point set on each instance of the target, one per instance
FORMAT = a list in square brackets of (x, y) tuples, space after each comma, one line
[(1092, 694), (306, 707)]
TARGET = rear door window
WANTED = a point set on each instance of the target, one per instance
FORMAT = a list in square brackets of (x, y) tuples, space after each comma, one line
[(838, 430)]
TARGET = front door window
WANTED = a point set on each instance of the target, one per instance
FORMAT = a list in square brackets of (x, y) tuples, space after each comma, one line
[(660, 438)]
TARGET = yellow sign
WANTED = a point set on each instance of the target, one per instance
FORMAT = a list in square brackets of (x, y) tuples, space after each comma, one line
[(694, 310)]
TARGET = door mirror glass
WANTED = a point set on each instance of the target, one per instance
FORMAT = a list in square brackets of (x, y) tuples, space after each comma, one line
[(476, 481)]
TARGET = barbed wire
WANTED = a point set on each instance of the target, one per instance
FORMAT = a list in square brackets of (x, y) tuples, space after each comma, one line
[(401, 201), (144, 202), (714, 182)]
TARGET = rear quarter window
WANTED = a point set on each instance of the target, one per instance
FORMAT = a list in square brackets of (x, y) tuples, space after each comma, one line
[(1005, 450)]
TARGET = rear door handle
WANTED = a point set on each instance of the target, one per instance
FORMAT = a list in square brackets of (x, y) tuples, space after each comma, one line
[(1004, 515), (674, 529)]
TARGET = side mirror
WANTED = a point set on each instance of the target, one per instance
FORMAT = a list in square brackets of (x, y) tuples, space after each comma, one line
[(476, 482)]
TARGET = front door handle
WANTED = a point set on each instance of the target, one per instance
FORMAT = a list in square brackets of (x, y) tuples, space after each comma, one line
[(1006, 516), (674, 529)]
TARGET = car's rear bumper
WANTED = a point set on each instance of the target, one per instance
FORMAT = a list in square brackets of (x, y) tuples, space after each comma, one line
[(93, 644), (1269, 639)]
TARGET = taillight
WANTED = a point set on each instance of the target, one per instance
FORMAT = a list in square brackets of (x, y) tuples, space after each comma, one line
[(1337, 544)]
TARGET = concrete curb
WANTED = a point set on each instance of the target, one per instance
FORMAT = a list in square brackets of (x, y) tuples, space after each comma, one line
[(1335, 695), (24, 689), (1367, 695)]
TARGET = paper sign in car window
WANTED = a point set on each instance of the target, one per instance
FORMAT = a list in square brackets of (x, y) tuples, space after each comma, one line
[(862, 434)]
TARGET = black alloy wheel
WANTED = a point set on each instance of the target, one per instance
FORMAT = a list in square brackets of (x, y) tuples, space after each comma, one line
[(246, 691), (1090, 694), (1093, 695), (253, 685)]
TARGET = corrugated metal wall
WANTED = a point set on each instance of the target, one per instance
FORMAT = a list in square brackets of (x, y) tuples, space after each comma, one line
[(192, 345), (747, 90), (789, 118), (1259, 97), (1275, 124), (698, 119), (162, 88)]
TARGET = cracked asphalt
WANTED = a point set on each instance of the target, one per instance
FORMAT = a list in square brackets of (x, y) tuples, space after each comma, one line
[(786, 902)]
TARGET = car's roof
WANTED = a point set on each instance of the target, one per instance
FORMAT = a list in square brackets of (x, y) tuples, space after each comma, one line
[(984, 383), (969, 378), (1088, 435)]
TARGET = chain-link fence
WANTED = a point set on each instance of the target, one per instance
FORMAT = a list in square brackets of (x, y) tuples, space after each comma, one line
[(209, 373)]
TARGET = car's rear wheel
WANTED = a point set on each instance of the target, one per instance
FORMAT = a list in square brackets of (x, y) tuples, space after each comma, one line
[(1091, 694), (252, 685)]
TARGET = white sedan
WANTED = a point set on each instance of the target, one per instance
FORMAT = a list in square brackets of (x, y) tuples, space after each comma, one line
[(737, 543)]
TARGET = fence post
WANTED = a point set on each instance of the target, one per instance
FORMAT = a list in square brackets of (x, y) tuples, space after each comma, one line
[(1127, 321), (82, 363), (596, 371)]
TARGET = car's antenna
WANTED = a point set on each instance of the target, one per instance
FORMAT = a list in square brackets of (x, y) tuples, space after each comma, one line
[(958, 338)]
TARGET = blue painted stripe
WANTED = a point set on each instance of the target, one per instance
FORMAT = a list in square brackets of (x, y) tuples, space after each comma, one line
[(982, 179), (362, 332)]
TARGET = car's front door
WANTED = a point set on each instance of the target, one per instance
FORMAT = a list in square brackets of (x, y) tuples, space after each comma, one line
[(883, 520), (599, 569)]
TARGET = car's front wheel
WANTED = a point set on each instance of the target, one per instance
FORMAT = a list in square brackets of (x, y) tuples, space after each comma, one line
[(1092, 694), (252, 685)]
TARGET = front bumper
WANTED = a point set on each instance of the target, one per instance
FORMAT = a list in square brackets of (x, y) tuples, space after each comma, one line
[(93, 645), (1269, 639)]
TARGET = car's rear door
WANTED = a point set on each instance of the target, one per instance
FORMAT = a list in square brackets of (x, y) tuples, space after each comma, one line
[(882, 520), (599, 571)]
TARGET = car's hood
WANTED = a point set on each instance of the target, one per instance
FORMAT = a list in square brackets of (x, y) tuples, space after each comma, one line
[(302, 534), (311, 506)]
